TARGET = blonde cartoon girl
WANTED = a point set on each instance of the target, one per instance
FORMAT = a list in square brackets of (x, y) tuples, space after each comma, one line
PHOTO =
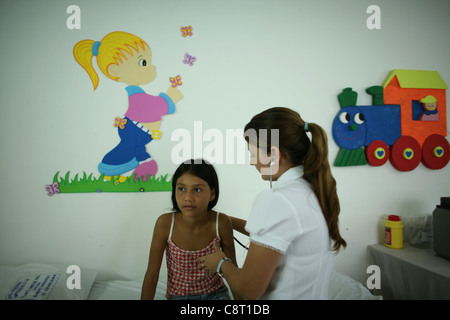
[(126, 58)]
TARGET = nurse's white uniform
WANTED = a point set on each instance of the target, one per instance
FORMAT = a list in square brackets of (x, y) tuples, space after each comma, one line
[(288, 219)]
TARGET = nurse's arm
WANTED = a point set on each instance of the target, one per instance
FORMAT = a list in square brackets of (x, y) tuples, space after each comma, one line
[(252, 280), (239, 225)]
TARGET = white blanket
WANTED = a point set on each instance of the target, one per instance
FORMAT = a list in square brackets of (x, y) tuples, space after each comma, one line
[(53, 282), (342, 287)]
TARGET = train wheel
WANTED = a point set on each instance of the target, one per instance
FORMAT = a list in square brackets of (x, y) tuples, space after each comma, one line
[(406, 153), (436, 152), (377, 153)]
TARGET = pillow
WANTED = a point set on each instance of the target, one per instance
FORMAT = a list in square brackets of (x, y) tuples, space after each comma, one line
[(44, 282)]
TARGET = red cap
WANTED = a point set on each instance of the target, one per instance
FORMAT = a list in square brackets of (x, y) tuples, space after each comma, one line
[(393, 217)]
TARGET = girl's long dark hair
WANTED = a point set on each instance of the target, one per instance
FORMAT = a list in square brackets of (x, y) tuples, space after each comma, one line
[(295, 144)]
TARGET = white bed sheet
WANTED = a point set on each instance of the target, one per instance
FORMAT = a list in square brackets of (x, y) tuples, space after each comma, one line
[(342, 287), (123, 290), (50, 282)]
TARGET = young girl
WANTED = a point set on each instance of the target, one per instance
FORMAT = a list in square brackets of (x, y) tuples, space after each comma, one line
[(190, 232), (126, 58)]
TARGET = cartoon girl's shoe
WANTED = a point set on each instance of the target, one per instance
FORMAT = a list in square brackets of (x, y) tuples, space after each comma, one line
[(144, 169), (115, 178)]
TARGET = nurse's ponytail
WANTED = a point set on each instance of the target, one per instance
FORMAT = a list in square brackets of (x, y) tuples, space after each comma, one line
[(295, 144), (316, 170)]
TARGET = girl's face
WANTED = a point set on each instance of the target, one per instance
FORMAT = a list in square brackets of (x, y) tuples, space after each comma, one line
[(193, 194), (135, 69)]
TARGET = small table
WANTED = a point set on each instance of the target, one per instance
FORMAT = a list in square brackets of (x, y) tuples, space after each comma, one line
[(410, 273)]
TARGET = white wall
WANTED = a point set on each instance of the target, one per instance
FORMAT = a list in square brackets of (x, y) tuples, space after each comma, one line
[(251, 55)]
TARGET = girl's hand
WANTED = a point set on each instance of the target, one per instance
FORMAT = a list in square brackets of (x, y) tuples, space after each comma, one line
[(211, 261)]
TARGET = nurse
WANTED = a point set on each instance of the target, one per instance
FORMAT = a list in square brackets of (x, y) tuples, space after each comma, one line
[(293, 227)]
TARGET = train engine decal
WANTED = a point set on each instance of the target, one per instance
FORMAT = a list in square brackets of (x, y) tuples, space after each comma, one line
[(406, 123)]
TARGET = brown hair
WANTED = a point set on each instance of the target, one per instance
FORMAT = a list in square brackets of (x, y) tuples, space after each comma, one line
[(294, 143)]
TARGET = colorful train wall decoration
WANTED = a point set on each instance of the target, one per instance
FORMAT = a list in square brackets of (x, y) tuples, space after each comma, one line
[(406, 123)]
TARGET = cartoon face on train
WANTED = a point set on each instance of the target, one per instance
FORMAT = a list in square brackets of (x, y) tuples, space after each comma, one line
[(349, 128)]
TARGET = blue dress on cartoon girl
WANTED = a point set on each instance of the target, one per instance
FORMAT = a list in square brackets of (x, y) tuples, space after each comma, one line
[(131, 151)]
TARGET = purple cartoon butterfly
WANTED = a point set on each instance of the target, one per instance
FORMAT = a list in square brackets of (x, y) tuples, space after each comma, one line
[(52, 188), (188, 59)]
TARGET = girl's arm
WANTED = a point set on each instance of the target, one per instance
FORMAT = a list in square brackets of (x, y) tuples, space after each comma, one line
[(227, 243), (158, 246), (226, 235)]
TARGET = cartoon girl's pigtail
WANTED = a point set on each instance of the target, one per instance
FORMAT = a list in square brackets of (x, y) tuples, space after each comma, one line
[(83, 53), (111, 50)]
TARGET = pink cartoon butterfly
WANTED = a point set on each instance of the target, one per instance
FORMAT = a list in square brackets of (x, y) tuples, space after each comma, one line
[(188, 59), (52, 188), (186, 31), (176, 81)]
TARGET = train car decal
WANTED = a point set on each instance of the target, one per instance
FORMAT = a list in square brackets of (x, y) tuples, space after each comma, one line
[(406, 123)]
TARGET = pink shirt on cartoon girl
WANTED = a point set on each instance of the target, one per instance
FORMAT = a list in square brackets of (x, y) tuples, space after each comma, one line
[(145, 108)]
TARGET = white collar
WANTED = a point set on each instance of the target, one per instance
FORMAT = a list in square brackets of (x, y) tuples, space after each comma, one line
[(291, 174)]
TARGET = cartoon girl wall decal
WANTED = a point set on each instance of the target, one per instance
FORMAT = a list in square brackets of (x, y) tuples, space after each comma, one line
[(126, 58)]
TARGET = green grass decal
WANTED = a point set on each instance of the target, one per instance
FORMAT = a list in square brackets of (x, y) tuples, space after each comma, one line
[(85, 183)]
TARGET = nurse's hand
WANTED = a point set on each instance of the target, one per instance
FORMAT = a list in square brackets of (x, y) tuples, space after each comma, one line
[(211, 261)]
